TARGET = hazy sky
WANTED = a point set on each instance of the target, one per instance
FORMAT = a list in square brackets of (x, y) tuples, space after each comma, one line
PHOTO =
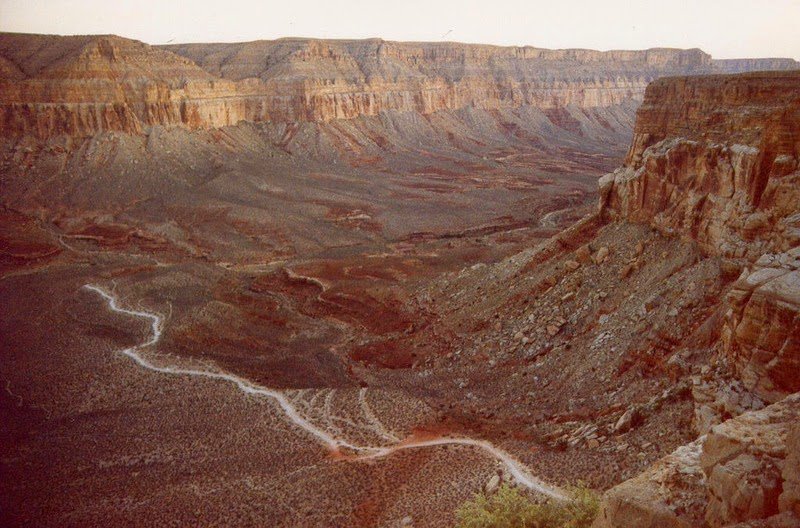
[(724, 28)]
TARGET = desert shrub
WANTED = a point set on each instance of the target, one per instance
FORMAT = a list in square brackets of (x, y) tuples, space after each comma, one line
[(509, 508)]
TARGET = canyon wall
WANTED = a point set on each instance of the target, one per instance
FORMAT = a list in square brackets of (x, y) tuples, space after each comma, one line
[(715, 159), (750, 65), (323, 80), (80, 85)]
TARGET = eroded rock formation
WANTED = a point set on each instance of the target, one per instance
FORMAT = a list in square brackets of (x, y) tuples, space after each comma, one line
[(762, 330), (744, 461), (743, 470), (715, 160), (341, 79), (668, 494), (81, 85)]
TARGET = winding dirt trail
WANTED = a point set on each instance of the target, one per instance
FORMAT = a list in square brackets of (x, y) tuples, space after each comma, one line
[(364, 452)]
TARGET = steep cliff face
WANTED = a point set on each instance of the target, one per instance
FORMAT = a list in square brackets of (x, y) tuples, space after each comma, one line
[(78, 86), (716, 159), (762, 327), (324, 80)]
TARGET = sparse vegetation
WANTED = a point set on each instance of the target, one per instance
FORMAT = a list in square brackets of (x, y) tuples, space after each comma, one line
[(510, 508)]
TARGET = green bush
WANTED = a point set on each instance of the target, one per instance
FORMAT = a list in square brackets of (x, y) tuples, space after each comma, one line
[(509, 508)]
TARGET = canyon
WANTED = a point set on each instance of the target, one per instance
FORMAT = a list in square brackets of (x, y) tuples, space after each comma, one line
[(108, 83), (352, 283)]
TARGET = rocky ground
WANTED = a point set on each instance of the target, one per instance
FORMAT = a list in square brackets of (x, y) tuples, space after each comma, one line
[(301, 271), (447, 284)]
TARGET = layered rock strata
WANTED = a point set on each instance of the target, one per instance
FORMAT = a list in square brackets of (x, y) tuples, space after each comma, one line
[(762, 328), (748, 65), (81, 85), (340, 79), (715, 160), (744, 470), (748, 464)]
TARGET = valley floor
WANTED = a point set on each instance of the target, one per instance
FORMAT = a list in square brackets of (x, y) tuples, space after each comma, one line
[(311, 275)]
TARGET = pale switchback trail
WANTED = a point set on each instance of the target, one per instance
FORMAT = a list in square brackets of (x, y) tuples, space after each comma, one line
[(518, 470)]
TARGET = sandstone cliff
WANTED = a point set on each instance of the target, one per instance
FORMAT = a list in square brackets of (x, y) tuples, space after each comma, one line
[(323, 80), (80, 85), (715, 160), (744, 471)]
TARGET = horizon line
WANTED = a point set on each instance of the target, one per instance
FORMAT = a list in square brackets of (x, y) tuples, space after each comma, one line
[(382, 39)]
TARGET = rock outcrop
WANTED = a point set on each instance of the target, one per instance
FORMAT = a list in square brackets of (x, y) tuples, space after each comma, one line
[(744, 470), (715, 159), (669, 494), (744, 461), (81, 85), (762, 328)]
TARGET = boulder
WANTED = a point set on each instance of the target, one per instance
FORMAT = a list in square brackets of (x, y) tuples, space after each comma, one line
[(629, 419), (761, 333), (744, 488), (669, 494), (492, 484), (762, 432), (601, 255), (583, 254)]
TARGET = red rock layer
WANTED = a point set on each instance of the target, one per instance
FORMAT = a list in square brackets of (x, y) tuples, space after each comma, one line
[(81, 85), (716, 159), (762, 326)]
